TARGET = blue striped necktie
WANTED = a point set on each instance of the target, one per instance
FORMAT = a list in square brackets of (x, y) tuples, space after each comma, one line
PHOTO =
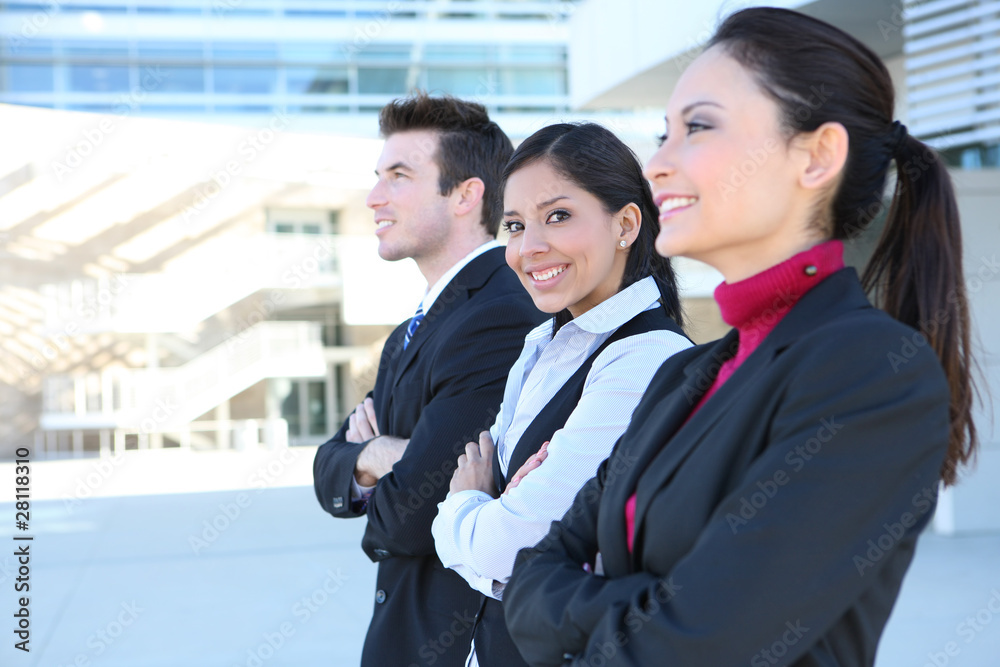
[(418, 317)]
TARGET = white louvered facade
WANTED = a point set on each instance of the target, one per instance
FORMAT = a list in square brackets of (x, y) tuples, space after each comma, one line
[(952, 50)]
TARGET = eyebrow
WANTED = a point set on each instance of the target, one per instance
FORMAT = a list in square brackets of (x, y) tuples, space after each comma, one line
[(541, 205), (688, 108), (397, 165)]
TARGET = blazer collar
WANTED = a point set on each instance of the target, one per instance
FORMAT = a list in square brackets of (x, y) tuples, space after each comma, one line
[(471, 278), (835, 296)]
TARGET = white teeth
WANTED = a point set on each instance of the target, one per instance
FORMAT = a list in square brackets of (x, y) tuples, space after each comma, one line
[(676, 202), (386, 223), (548, 275)]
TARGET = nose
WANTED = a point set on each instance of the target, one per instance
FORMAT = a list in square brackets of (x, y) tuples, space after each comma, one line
[(376, 197), (533, 241), (661, 164)]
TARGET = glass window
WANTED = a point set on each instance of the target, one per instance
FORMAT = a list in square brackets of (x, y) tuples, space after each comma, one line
[(313, 53), (326, 13), (98, 79), (516, 53), (100, 9), (166, 9), (465, 81), (245, 80), (180, 80), (95, 48), (29, 78), (16, 45), (382, 80), (533, 82), (320, 108), (317, 407), (384, 52), (316, 80), (245, 51), (95, 108), (244, 108), (243, 7), (287, 392), (458, 53), (171, 50), (166, 109)]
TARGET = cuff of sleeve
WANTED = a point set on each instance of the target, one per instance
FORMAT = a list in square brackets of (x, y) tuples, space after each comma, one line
[(456, 500), (358, 492), (496, 591)]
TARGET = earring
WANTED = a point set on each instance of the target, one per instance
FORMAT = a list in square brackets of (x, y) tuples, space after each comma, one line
[(622, 243)]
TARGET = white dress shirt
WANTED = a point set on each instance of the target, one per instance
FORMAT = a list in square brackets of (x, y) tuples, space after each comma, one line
[(433, 292), (479, 536)]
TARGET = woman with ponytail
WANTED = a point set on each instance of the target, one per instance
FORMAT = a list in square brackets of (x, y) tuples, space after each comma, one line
[(764, 504)]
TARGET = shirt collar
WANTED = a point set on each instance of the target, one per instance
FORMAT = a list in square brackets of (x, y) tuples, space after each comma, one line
[(434, 291), (610, 313)]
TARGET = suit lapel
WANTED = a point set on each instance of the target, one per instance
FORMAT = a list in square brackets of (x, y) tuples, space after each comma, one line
[(679, 393), (670, 440), (472, 276)]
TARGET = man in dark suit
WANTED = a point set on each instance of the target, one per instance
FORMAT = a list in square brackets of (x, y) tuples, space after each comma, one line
[(441, 376)]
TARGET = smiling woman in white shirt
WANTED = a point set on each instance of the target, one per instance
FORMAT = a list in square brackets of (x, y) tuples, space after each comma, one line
[(582, 226)]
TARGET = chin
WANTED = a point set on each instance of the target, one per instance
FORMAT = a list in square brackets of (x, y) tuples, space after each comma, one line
[(669, 245), (389, 253), (547, 306)]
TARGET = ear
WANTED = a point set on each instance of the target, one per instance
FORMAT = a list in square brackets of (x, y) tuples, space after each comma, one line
[(629, 222), (826, 149), (467, 195)]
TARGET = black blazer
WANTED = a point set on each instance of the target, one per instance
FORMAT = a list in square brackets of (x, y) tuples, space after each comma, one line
[(772, 528), (441, 392)]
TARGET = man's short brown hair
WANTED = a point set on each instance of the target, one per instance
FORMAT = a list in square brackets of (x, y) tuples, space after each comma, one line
[(470, 145)]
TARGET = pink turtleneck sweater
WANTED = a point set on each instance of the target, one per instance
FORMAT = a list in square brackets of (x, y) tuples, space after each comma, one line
[(754, 306)]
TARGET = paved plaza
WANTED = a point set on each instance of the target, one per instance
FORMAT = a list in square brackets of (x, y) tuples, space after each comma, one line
[(259, 576)]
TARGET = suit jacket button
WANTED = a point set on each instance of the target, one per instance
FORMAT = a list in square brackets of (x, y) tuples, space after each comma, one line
[(380, 596), (338, 502), (382, 553)]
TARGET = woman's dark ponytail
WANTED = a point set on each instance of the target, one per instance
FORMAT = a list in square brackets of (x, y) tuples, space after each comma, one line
[(915, 275)]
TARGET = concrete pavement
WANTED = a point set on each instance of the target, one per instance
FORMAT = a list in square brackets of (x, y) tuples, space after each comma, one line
[(258, 576)]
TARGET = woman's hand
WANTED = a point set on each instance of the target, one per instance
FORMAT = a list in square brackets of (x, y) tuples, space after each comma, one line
[(475, 467), (533, 462)]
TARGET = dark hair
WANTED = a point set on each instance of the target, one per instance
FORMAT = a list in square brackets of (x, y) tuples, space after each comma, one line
[(596, 160), (818, 74), (470, 145)]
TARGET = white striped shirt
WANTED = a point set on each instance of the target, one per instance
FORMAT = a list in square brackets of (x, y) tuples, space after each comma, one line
[(479, 536)]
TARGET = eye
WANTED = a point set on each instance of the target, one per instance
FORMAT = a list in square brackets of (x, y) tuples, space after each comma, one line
[(512, 226), (695, 126), (660, 140), (559, 215)]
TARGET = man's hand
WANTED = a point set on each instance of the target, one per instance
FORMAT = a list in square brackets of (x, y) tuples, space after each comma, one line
[(533, 462), (362, 425), (475, 467), (377, 458)]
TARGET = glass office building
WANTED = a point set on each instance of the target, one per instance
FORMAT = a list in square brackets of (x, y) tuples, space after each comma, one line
[(336, 60)]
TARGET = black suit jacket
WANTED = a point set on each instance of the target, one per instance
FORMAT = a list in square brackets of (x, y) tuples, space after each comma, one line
[(772, 528), (440, 393)]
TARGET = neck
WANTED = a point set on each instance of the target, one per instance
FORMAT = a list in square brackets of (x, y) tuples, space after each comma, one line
[(745, 261), (433, 267)]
